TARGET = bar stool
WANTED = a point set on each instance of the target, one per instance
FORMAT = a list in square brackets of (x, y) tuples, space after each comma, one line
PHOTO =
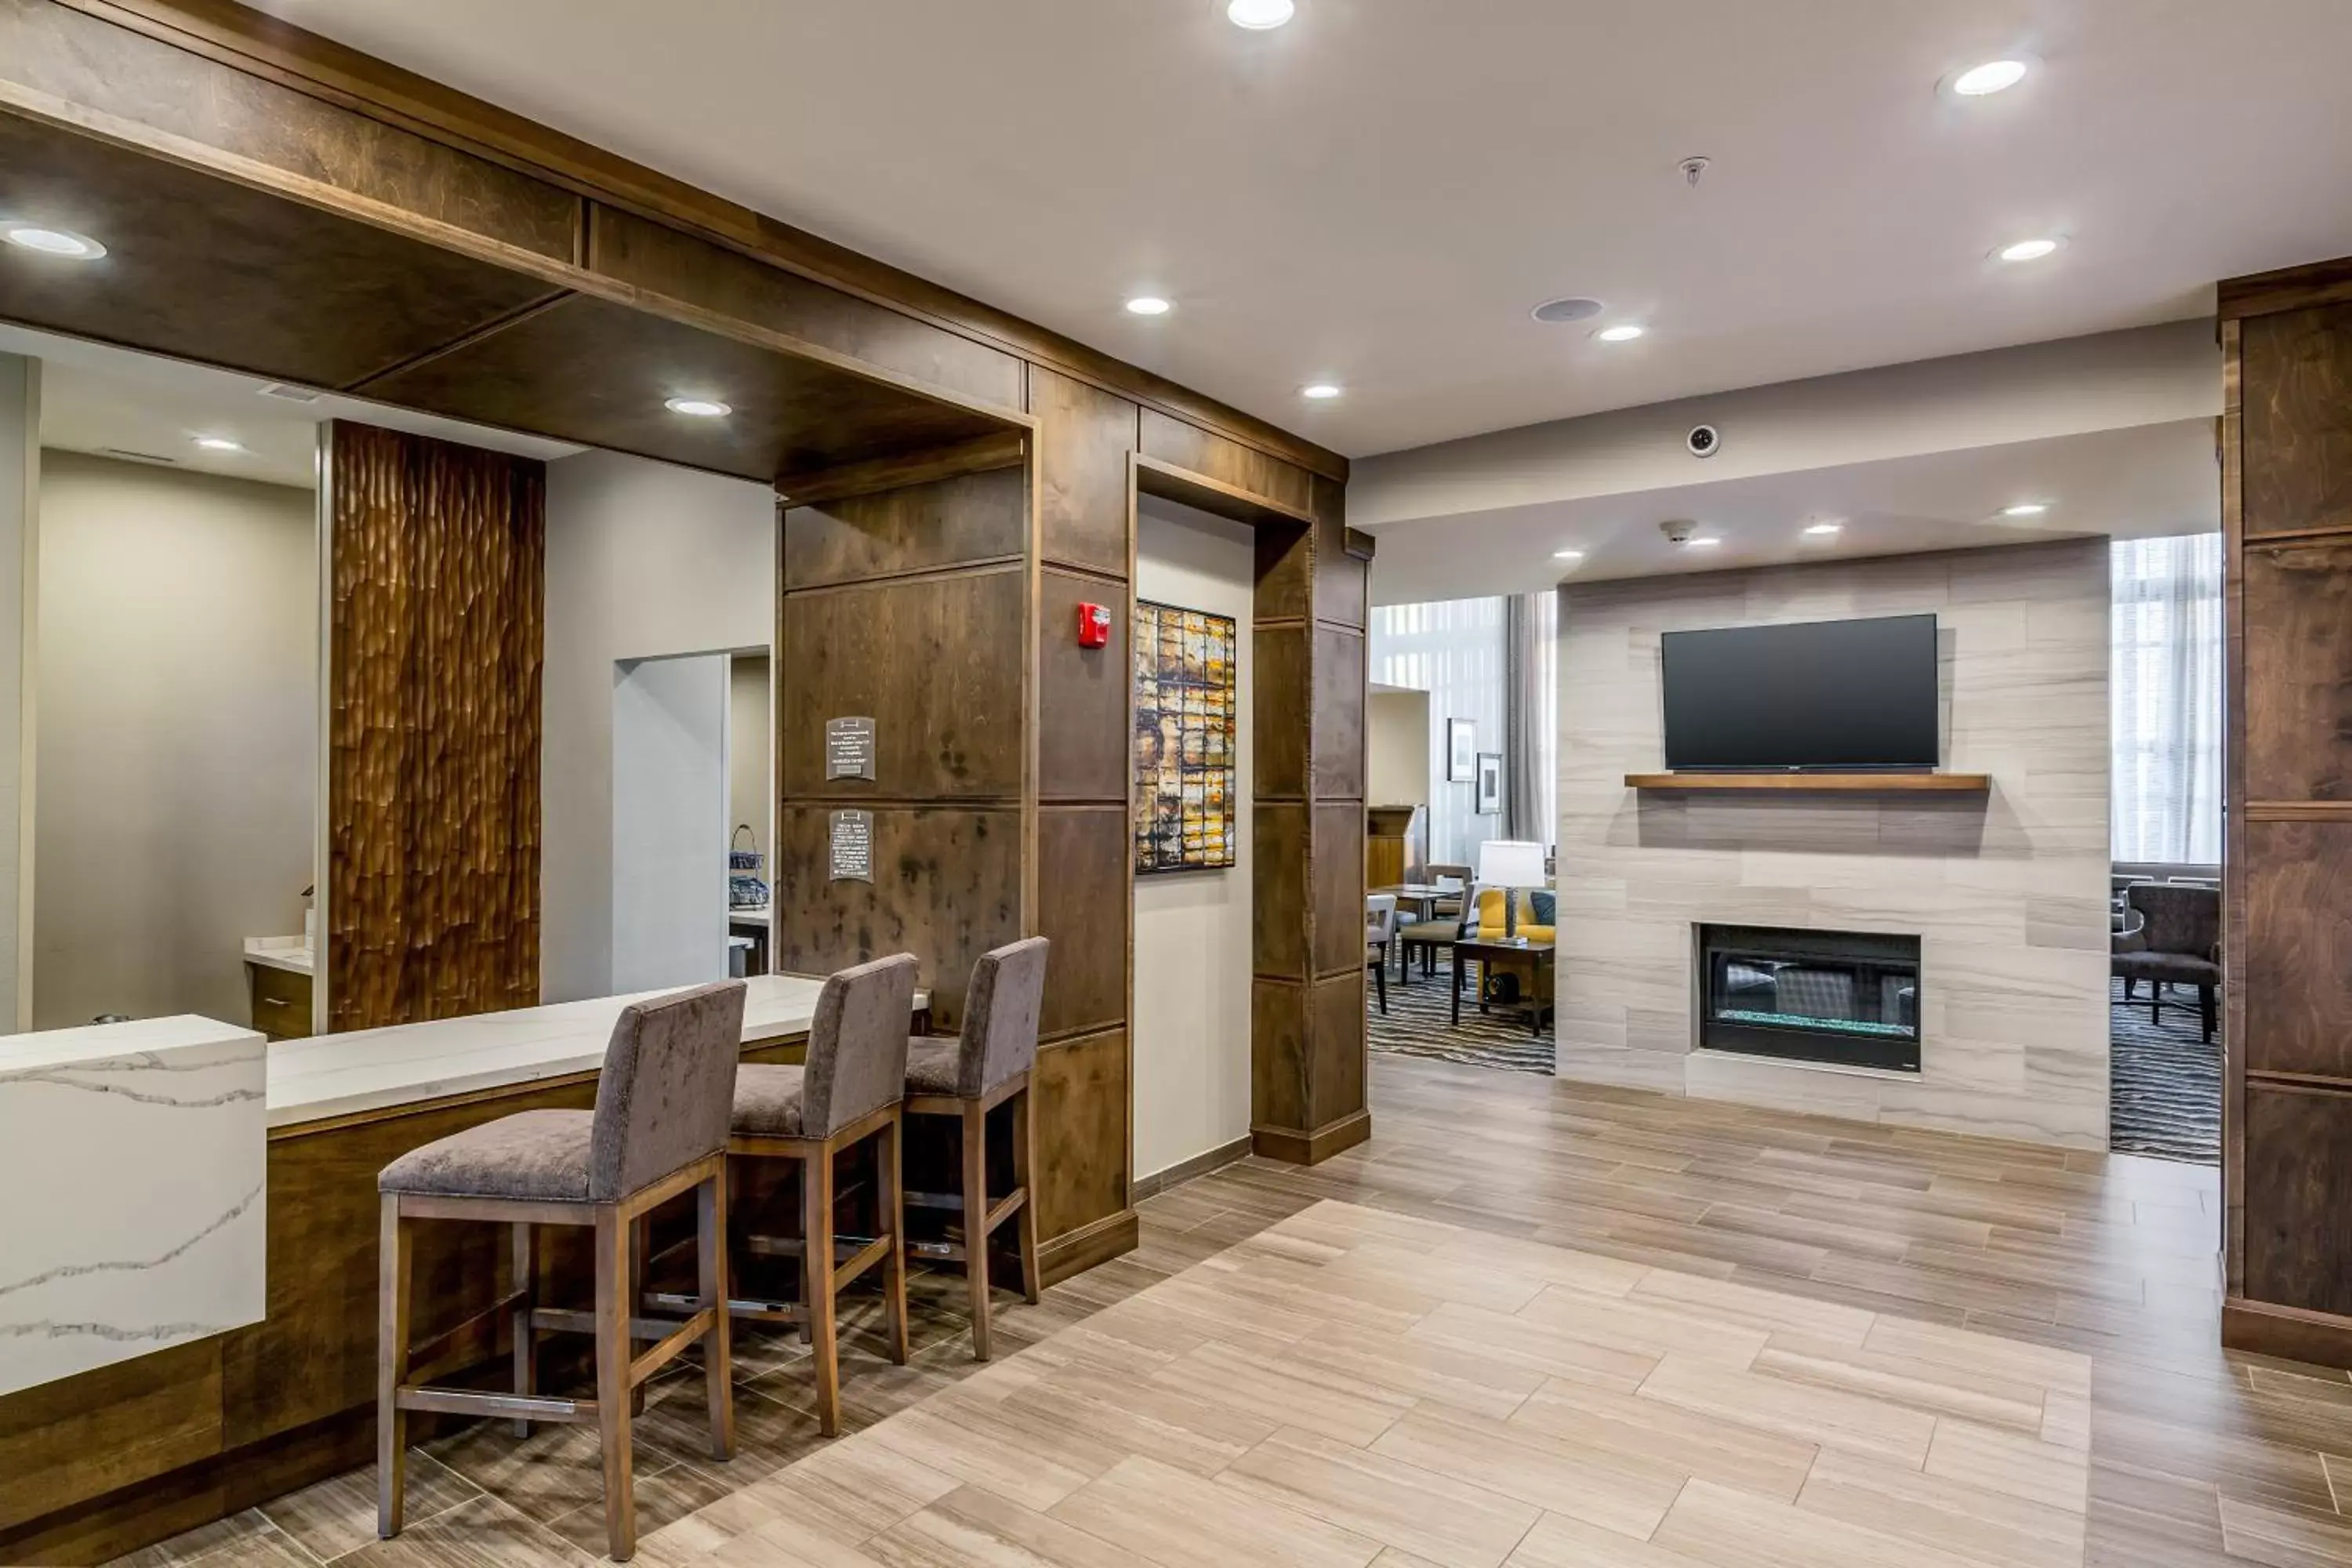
[(659, 1129), (966, 1076), (847, 1091)]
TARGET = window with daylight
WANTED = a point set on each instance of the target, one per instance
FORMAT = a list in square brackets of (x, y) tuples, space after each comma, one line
[(2166, 692)]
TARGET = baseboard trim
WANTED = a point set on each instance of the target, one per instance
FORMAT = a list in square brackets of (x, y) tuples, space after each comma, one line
[(1183, 1170), (1296, 1148), (2294, 1333), (1075, 1251)]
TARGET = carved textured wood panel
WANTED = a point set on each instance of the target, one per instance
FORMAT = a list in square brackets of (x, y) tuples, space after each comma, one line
[(432, 773)]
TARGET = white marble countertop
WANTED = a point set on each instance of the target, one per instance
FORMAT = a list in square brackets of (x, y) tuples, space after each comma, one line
[(369, 1069), (291, 953), (27, 1054)]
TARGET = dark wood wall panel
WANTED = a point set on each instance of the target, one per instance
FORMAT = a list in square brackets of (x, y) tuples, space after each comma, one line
[(1281, 1038), (112, 1427), (1083, 1094), (1085, 909), (678, 266), (2298, 672), (2298, 964), (1285, 573), (945, 522), (946, 888), (915, 654), (1342, 581), (1339, 722), (436, 631), (1228, 461), (1335, 861), (2297, 380), (1083, 437), (1337, 1072), (1281, 695), (2299, 1197), (1085, 750), (81, 59), (1278, 864)]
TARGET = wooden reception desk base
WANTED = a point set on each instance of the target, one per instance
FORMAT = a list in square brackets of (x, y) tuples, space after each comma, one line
[(108, 1461)]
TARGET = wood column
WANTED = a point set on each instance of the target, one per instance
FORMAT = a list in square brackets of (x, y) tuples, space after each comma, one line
[(436, 558), (2286, 456)]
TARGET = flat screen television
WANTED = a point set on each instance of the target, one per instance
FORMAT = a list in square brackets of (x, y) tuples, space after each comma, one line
[(1822, 694)]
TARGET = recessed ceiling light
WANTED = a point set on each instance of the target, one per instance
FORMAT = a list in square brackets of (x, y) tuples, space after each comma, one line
[(2029, 249), (1824, 529), (1258, 15), (1148, 305), (1704, 541), (2026, 509), (1575, 308), (58, 242), (699, 407), (1623, 333), (219, 444), (1993, 75), (1568, 555), (1319, 391)]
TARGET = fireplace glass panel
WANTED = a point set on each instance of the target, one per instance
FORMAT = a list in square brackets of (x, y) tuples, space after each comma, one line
[(1849, 997)]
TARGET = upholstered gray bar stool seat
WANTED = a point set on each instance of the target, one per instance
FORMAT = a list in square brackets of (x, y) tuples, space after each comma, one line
[(658, 1132), (966, 1076), (847, 1091)]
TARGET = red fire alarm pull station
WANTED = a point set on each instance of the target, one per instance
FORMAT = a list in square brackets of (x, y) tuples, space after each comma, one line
[(1094, 625)]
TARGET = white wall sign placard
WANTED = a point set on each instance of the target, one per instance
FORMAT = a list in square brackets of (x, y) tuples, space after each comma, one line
[(853, 847), (849, 748)]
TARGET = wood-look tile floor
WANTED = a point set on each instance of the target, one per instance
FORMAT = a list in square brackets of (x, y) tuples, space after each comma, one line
[(1530, 1322)]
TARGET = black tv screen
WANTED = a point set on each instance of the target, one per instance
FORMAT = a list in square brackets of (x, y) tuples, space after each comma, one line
[(1821, 695)]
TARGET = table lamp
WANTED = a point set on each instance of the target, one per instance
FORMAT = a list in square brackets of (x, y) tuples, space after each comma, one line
[(1510, 864)]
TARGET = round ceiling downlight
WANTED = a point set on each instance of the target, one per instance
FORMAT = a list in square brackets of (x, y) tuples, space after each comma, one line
[(1623, 333), (1575, 308), (699, 408), (2030, 249), (1259, 15), (43, 240), (1993, 75), (1320, 391), (1148, 305), (219, 444)]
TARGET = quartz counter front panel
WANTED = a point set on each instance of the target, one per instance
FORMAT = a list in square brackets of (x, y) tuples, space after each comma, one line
[(132, 1181)]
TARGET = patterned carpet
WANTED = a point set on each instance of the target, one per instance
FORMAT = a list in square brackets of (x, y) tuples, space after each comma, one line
[(2165, 1082), (1415, 1025)]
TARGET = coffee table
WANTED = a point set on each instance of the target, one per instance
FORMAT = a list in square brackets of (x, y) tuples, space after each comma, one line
[(1538, 958)]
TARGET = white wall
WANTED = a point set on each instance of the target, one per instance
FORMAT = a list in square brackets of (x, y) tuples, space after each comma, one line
[(1452, 649), (20, 478), (177, 764), (643, 559), (750, 752), (1396, 748), (669, 822), (1192, 928)]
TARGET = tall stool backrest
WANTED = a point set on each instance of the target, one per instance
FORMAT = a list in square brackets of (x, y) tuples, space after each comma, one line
[(668, 1087), (857, 1044), (1000, 1017)]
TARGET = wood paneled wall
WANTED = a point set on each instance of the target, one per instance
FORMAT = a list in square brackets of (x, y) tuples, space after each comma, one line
[(2287, 507), (436, 559)]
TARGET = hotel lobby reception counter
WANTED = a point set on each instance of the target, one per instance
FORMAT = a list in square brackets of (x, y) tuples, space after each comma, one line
[(106, 1460)]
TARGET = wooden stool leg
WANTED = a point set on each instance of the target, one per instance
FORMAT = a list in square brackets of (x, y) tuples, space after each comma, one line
[(1024, 1166), (391, 1369), (613, 1302), (718, 1345), (892, 1196), (975, 1222), (816, 1284), (641, 1257), (526, 1347)]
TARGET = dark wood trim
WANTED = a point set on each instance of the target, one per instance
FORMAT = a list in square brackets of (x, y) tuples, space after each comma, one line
[(2287, 539), (2287, 289), (1075, 1251), (1814, 783), (1360, 544), (1005, 450), (986, 567), (1183, 1170), (2300, 1082), (2262, 1328), (1296, 1148), (258, 45), (1158, 477), (2298, 810)]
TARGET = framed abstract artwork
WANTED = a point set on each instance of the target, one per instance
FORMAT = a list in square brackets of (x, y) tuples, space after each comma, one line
[(1490, 784), (1461, 750), (1186, 693)]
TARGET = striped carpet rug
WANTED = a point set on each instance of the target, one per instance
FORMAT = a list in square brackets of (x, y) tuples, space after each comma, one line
[(1415, 1025), (2164, 1082)]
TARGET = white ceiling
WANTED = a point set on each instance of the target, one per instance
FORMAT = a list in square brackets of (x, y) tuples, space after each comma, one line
[(116, 403), (1379, 192), (2143, 481)]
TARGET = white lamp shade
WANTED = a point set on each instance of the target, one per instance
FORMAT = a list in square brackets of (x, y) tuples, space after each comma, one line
[(1511, 863)]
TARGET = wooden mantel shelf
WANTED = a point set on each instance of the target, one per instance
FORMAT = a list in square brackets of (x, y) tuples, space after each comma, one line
[(1817, 784)]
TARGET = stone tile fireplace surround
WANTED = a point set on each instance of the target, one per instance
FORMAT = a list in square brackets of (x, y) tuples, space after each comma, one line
[(2006, 892)]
